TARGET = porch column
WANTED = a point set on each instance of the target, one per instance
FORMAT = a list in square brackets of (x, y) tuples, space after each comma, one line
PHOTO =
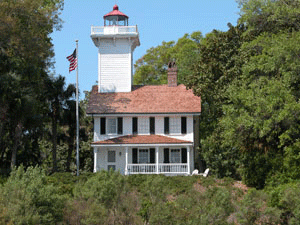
[(188, 159), (126, 161), (95, 159), (157, 157)]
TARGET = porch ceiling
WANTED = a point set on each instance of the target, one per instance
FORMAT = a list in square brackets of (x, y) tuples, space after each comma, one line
[(132, 140)]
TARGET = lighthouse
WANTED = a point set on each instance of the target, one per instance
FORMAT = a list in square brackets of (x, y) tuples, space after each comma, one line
[(116, 41)]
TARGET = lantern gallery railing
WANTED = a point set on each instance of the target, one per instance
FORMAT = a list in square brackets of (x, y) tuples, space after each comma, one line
[(114, 30), (164, 168)]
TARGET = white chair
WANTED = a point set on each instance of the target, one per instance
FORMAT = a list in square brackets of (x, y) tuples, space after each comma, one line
[(195, 172), (205, 173)]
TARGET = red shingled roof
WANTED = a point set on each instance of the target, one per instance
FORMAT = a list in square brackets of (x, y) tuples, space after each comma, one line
[(141, 139), (145, 99)]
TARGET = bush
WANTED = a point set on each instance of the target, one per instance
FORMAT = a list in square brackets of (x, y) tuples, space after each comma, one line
[(66, 181), (210, 207), (26, 198), (253, 209), (286, 197), (104, 198)]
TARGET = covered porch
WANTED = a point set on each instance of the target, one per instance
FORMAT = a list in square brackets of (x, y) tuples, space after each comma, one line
[(145, 154)]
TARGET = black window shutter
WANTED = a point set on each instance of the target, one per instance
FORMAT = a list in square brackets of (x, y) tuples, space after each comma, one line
[(120, 125), (183, 155), (166, 155), (134, 155), (152, 155), (183, 125), (166, 125), (152, 125), (134, 125), (103, 125)]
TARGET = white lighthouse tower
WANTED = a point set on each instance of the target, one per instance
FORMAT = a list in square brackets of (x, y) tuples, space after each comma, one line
[(116, 42)]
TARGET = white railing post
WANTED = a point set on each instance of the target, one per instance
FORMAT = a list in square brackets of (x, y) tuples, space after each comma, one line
[(188, 160), (157, 159), (126, 161), (95, 159)]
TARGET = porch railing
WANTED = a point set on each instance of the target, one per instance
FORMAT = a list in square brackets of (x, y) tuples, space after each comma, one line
[(112, 30), (163, 168)]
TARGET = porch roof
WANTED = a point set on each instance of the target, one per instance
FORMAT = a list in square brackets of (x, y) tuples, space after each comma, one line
[(144, 140)]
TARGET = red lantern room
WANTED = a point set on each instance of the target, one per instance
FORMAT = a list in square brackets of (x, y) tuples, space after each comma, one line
[(115, 18)]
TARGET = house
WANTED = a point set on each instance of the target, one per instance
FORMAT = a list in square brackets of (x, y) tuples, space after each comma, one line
[(150, 129)]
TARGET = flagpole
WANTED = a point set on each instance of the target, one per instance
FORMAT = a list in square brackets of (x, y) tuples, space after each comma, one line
[(77, 114)]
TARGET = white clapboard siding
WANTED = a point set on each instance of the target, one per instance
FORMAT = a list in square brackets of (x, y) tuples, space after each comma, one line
[(115, 65), (159, 128)]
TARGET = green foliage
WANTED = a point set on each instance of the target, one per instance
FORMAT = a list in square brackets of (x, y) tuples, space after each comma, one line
[(104, 188), (26, 198), (286, 197), (25, 57), (104, 199), (152, 67), (248, 79), (253, 209), (211, 207), (107, 197), (262, 120), (270, 16)]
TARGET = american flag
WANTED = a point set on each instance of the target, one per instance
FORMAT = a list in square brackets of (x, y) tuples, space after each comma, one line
[(73, 61)]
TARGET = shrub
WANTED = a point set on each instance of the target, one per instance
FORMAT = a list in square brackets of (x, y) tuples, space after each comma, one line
[(253, 209), (27, 199), (286, 197), (210, 207), (104, 198)]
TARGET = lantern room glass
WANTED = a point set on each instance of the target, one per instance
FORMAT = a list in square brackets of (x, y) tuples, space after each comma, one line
[(116, 21)]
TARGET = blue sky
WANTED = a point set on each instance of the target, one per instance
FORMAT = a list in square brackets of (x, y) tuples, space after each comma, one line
[(157, 20)]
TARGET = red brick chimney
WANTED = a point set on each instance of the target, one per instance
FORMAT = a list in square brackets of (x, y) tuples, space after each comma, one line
[(172, 74)]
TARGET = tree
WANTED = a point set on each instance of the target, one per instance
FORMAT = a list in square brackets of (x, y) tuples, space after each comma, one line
[(217, 64), (58, 98), (261, 117), (25, 56), (248, 79), (152, 67)]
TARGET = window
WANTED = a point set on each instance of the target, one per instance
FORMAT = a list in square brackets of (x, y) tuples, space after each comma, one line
[(111, 125), (111, 156), (114, 125), (175, 156), (143, 127), (143, 156), (175, 125)]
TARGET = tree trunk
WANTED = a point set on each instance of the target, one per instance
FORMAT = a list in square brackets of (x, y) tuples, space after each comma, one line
[(69, 157), (54, 143), (3, 112), (17, 140)]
